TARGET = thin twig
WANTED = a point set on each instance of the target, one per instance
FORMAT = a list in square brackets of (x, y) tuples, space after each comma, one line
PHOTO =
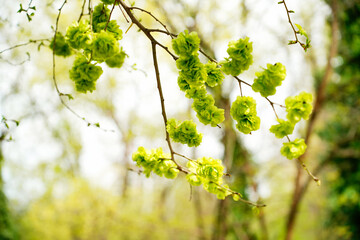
[(303, 165), (292, 26), (241, 93), (144, 29), (24, 44), (162, 31), (156, 19), (206, 55), (122, 11), (60, 94), (240, 197), (82, 10), (183, 156), (16, 64), (108, 20), (272, 105), (162, 102), (242, 81), (90, 11)]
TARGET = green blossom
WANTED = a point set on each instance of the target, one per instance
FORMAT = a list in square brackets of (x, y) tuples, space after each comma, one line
[(192, 70), (186, 44), (214, 75), (62, 48), (192, 77), (196, 92), (84, 74), (269, 79), (104, 46), (183, 84), (282, 129), (193, 179), (248, 123), (208, 169), (112, 27), (243, 110), (240, 57), (78, 35), (184, 132), (293, 149), (155, 161), (298, 107), (209, 172), (117, 60), (100, 14), (207, 112), (211, 115), (203, 103)]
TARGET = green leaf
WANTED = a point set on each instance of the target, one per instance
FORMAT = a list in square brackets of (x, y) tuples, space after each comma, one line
[(21, 8), (301, 31), (28, 17)]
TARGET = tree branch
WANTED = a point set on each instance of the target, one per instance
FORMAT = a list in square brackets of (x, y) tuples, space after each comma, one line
[(300, 189)]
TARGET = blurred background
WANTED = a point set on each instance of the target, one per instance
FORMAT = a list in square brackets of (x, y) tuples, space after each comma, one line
[(63, 179)]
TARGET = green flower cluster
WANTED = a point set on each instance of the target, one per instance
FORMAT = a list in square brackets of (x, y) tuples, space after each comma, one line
[(282, 129), (207, 112), (85, 74), (117, 60), (155, 161), (191, 70), (269, 79), (100, 14), (294, 149), (214, 74), (298, 107), (209, 172), (186, 44), (100, 21), (193, 75), (184, 132), (61, 48), (78, 35), (96, 41), (243, 110), (240, 57), (104, 46)]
